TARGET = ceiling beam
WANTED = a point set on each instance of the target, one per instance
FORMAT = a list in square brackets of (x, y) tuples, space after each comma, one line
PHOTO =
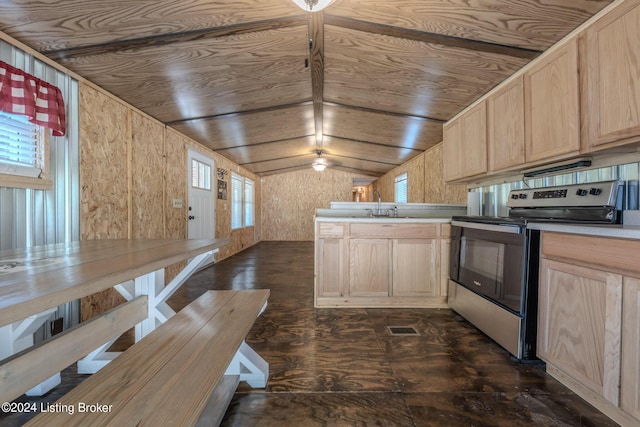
[(316, 47), (240, 113), (385, 112), (433, 38), (165, 39)]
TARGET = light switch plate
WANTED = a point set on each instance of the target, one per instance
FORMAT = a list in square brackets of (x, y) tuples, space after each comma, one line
[(177, 203)]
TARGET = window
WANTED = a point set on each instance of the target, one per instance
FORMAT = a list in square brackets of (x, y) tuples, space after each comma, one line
[(248, 203), (200, 175), (401, 188), (242, 202), (23, 153), (236, 201)]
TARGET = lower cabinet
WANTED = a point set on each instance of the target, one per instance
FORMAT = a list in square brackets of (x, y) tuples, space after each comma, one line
[(589, 321), (381, 265), (579, 327), (415, 267), (369, 267), (629, 387)]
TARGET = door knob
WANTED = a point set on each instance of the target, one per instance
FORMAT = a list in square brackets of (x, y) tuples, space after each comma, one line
[(191, 217)]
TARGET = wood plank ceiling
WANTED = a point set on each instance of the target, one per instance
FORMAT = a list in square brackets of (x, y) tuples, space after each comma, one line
[(368, 82)]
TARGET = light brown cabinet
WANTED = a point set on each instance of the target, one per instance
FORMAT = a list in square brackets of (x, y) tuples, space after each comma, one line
[(369, 267), (465, 144), (505, 119), (611, 89), (552, 106), (629, 389), (380, 264), (580, 97), (329, 259), (588, 330), (415, 267), (579, 326)]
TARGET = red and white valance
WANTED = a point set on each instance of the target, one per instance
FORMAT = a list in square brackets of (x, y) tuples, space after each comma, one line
[(21, 93)]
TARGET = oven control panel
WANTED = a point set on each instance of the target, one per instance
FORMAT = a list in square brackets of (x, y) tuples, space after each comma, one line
[(593, 194)]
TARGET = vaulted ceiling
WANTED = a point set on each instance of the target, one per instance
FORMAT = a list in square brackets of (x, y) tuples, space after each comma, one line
[(368, 82)]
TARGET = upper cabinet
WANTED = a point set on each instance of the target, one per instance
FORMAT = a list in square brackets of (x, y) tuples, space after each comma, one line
[(552, 106), (610, 51), (505, 120), (582, 96), (465, 144)]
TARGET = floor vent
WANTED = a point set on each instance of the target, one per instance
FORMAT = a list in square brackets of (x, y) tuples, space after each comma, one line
[(402, 330)]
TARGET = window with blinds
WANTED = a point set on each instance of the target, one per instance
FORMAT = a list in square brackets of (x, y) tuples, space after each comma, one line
[(236, 201), (401, 186), (21, 146), (248, 203)]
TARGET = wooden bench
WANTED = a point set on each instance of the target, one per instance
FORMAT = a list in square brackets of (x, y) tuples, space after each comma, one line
[(44, 277), (183, 373)]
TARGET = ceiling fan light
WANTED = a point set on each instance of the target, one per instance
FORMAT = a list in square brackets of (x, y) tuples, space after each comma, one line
[(312, 5), (318, 166)]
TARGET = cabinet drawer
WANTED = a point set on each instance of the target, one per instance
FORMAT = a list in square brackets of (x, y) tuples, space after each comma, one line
[(395, 231), (618, 254), (331, 229)]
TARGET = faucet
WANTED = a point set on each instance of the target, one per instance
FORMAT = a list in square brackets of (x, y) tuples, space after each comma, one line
[(379, 201)]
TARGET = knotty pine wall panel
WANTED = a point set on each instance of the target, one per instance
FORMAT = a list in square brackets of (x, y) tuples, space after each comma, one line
[(435, 190), (280, 218), (104, 141), (104, 197), (426, 183), (129, 177), (175, 187), (289, 201), (414, 169), (175, 184), (147, 172)]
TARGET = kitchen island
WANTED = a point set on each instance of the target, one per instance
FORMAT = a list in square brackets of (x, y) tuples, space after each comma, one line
[(381, 261)]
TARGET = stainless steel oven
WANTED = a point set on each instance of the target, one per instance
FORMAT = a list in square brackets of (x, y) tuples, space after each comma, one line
[(496, 264), (494, 260)]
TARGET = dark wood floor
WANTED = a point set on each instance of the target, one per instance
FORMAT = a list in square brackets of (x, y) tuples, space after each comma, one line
[(341, 367)]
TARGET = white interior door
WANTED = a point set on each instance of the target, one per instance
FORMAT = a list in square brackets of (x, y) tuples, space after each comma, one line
[(201, 203)]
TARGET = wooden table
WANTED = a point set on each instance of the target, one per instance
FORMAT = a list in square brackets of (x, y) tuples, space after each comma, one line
[(35, 281)]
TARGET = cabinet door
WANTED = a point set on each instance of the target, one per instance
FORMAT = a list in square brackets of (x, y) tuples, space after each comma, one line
[(415, 267), (452, 151), (630, 374), (465, 144), (611, 87), (369, 267), (505, 118), (330, 259), (579, 324), (552, 115), (474, 141)]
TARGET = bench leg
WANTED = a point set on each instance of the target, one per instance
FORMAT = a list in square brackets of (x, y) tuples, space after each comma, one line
[(250, 366), (97, 359), (219, 402)]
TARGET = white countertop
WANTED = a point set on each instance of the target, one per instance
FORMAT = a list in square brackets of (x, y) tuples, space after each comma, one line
[(380, 220), (616, 230)]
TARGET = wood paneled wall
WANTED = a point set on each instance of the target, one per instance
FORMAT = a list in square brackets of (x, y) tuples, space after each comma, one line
[(131, 169), (289, 201), (425, 181)]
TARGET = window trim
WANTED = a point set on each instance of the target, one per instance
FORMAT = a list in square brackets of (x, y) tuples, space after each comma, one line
[(234, 178), (243, 203), (252, 203)]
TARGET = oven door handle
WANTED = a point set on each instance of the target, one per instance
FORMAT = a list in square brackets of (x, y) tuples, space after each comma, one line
[(513, 229)]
